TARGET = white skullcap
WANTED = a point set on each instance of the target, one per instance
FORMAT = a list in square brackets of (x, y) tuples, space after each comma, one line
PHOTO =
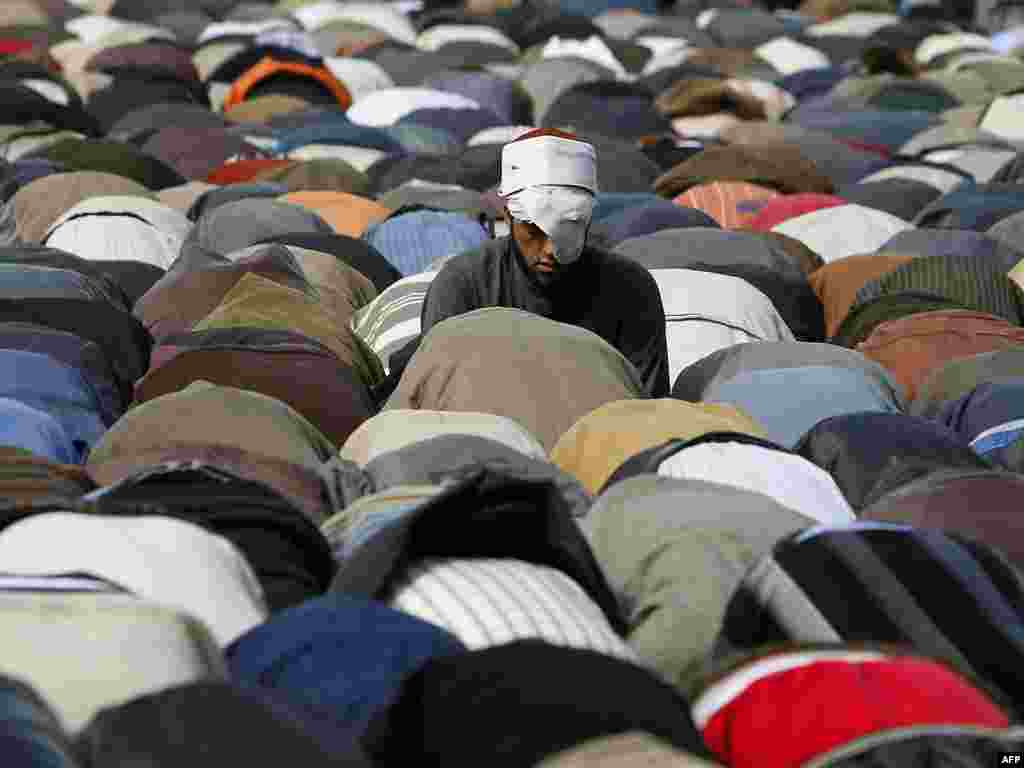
[(547, 160)]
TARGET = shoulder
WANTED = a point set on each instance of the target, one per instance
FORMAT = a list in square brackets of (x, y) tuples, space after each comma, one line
[(473, 261), (627, 278), (614, 265), (461, 284)]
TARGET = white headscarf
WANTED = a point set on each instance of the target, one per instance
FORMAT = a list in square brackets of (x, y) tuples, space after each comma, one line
[(551, 182)]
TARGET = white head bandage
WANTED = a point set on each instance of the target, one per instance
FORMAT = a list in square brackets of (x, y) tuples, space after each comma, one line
[(563, 213), (551, 182)]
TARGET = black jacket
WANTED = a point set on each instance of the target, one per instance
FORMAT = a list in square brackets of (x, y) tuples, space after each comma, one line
[(608, 294)]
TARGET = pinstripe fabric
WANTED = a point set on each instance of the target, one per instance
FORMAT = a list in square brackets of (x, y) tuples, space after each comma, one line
[(705, 312), (488, 601), (938, 242), (393, 318), (837, 283), (942, 594), (977, 283)]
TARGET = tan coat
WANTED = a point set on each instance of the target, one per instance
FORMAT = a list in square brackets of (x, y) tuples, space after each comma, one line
[(600, 442), (538, 372)]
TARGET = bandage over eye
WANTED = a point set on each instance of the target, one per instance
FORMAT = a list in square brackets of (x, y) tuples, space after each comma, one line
[(562, 213), (551, 182)]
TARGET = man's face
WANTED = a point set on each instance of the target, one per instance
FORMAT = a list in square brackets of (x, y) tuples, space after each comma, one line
[(538, 250)]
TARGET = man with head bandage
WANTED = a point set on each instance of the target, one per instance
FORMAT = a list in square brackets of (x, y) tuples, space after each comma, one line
[(549, 182), (546, 266)]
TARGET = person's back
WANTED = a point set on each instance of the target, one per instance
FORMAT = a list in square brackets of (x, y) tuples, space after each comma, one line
[(539, 373)]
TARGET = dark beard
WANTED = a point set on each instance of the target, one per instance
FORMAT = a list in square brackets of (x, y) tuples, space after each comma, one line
[(544, 281), (548, 280)]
